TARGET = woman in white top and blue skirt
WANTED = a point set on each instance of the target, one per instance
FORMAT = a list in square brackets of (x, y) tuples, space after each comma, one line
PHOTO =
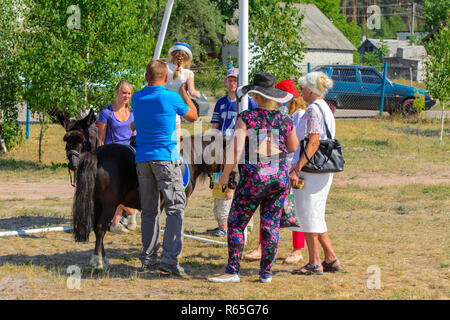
[(310, 201)]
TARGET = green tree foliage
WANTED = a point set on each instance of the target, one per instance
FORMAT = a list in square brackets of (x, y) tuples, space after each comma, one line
[(274, 40), (388, 28), (10, 81), (80, 67), (437, 68), (75, 55), (227, 9), (375, 58), (437, 65), (196, 22), (436, 11)]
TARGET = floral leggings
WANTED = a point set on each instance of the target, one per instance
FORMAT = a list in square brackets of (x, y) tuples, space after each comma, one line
[(257, 186)]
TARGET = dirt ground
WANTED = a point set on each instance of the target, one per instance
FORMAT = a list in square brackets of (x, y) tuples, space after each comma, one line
[(63, 189)]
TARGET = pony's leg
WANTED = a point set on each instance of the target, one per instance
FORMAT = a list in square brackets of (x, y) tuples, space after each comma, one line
[(99, 259)]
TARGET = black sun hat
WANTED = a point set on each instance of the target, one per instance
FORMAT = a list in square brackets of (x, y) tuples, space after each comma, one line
[(264, 84)]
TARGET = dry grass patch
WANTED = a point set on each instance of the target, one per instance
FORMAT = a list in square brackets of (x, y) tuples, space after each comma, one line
[(375, 217)]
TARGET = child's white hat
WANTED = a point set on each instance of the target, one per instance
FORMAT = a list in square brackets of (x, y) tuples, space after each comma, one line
[(181, 46)]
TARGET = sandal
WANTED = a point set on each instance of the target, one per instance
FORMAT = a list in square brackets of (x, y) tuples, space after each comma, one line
[(293, 258), (310, 270), (328, 267), (253, 256)]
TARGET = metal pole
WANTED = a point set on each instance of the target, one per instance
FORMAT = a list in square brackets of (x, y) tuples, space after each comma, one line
[(413, 9), (383, 89), (28, 120), (22, 232), (243, 49), (28, 117), (205, 240), (410, 76), (162, 31)]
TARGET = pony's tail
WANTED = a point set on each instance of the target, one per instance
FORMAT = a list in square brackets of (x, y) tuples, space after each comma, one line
[(83, 204)]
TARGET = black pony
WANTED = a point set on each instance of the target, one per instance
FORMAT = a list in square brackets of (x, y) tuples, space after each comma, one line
[(106, 177)]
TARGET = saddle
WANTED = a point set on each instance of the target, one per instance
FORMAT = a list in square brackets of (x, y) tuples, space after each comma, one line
[(186, 173)]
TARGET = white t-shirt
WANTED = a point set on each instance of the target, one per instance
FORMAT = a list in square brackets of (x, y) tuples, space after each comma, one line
[(329, 118), (299, 123), (301, 119), (175, 85)]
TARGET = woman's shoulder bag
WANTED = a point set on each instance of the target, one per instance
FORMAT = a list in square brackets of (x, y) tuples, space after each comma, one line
[(328, 158)]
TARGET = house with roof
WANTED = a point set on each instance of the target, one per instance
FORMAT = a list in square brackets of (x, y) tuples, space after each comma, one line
[(405, 35), (404, 60), (371, 45), (324, 43)]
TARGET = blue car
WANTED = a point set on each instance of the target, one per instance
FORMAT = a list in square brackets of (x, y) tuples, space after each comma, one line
[(359, 87)]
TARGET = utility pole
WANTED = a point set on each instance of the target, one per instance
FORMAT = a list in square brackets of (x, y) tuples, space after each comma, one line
[(413, 10), (243, 50)]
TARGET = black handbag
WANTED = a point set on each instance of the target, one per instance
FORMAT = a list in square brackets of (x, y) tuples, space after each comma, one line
[(328, 157)]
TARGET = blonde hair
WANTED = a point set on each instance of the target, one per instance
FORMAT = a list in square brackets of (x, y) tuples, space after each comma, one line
[(264, 101), (297, 104), (181, 59), (317, 82), (119, 86)]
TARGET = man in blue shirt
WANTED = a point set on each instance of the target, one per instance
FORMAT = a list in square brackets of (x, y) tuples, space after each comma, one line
[(225, 114), (158, 166), (224, 119)]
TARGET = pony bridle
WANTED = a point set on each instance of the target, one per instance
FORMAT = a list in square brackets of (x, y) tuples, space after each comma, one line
[(69, 154), (85, 147)]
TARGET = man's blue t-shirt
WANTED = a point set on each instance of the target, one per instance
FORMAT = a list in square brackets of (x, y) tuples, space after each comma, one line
[(225, 114), (154, 109)]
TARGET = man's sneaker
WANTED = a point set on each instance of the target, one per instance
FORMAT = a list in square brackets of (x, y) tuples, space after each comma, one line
[(219, 233), (228, 278), (265, 278), (151, 266), (212, 230), (131, 222), (118, 228), (124, 218), (174, 269)]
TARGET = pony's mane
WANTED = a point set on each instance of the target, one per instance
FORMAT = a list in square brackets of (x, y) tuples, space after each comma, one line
[(73, 134)]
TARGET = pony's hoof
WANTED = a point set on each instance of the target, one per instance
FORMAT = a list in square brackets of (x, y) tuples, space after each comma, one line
[(106, 263), (99, 262)]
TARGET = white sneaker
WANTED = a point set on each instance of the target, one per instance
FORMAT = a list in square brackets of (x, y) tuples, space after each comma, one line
[(118, 228), (228, 278), (265, 279), (131, 222)]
